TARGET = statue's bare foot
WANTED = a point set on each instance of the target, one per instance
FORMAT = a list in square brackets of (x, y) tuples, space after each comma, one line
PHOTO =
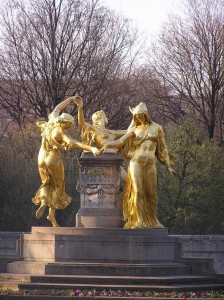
[(40, 211), (53, 221)]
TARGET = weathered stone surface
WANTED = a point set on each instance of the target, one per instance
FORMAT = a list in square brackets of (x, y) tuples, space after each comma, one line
[(99, 185), (55, 244), (10, 244), (203, 246), (10, 248), (100, 257), (100, 231)]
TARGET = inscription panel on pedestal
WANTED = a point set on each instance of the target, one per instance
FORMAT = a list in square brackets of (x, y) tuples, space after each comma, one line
[(98, 186)]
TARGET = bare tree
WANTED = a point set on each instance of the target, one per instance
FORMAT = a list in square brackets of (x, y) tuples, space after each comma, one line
[(51, 49), (155, 91), (189, 57)]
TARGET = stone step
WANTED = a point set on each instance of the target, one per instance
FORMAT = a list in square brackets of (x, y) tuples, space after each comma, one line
[(23, 267), (9, 277), (12, 285), (166, 283), (107, 269), (5, 260), (12, 281), (121, 279), (128, 287), (118, 269)]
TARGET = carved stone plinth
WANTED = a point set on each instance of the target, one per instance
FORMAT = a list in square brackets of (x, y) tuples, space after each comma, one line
[(51, 244), (99, 185)]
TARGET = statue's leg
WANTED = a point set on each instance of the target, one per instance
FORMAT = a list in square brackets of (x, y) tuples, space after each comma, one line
[(51, 217), (135, 205), (152, 199), (41, 209)]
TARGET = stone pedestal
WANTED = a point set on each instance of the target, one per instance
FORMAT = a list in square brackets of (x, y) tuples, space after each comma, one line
[(66, 244), (109, 258), (99, 185)]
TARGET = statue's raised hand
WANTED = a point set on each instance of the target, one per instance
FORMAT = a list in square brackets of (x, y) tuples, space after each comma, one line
[(78, 101)]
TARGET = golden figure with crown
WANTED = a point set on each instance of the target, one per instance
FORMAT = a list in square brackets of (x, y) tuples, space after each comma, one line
[(146, 141)]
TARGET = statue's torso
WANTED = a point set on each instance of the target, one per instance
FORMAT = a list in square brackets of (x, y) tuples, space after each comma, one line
[(103, 136), (145, 143)]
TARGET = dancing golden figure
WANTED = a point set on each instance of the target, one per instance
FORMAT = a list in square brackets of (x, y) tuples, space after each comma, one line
[(97, 132), (146, 142), (54, 138)]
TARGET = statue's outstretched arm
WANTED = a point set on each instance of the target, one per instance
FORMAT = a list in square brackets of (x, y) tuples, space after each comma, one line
[(118, 143), (55, 113), (86, 127), (132, 124), (71, 143), (83, 146), (163, 151), (118, 133), (81, 119)]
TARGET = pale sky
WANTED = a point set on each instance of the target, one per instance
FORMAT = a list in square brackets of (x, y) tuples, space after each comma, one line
[(147, 15)]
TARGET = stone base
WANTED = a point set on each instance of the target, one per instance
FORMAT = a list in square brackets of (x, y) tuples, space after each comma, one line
[(130, 259), (203, 246), (96, 244), (101, 218), (99, 186)]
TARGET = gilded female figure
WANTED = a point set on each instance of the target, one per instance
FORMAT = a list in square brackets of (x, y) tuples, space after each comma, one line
[(52, 193), (146, 142)]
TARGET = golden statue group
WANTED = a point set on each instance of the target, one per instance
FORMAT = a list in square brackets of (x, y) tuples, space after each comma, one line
[(141, 143)]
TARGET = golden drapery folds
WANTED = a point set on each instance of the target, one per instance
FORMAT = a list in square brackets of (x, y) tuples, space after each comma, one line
[(51, 168), (55, 138), (146, 141)]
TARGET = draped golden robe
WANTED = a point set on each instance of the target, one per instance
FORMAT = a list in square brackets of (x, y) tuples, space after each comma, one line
[(140, 197), (51, 170)]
